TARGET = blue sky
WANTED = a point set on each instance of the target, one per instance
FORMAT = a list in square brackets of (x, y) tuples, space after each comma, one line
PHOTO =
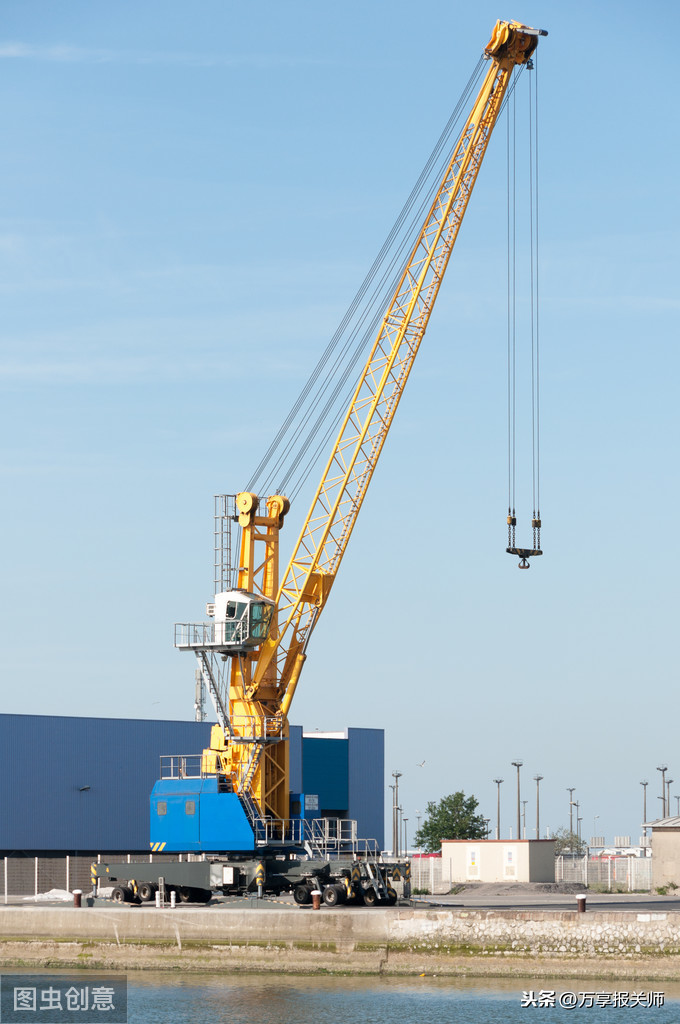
[(191, 196)]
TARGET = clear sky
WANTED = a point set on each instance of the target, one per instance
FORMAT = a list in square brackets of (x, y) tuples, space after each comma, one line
[(191, 194)]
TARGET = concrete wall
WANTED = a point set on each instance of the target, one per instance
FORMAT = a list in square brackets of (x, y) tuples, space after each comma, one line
[(498, 860), (665, 856), (536, 934)]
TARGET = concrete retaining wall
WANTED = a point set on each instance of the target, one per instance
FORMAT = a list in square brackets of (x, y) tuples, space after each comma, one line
[(525, 933)]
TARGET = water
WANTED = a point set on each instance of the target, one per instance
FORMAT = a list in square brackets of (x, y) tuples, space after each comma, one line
[(267, 999)]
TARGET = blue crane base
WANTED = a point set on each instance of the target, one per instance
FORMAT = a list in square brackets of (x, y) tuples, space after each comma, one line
[(192, 815)]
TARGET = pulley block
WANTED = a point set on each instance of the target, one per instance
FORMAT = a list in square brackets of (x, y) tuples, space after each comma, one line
[(524, 554)]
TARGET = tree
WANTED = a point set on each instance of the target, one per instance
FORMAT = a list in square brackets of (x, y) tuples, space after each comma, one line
[(568, 842), (454, 817)]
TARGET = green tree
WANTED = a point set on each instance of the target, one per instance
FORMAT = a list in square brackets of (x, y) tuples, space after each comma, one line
[(568, 842), (454, 817)]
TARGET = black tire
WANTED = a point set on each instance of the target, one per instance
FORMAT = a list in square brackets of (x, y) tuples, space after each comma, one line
[(302, 895), (121, 894), (203, 895), (390, 900), (186, 894), (147, 891), (332, 895), (370, 898)]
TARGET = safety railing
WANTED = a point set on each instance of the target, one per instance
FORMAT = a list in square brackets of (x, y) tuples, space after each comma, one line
[(211, 634), (181, 766)]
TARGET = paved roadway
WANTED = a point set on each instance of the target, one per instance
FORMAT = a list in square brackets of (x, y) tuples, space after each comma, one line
[(495, 899), (478, 897)]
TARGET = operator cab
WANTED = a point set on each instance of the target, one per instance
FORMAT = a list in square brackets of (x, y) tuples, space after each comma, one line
[(242, 620)]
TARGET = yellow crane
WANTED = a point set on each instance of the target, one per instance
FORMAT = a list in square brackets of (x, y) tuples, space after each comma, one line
[(261, 628)]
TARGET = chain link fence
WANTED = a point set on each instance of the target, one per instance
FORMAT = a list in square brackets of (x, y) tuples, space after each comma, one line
[(26, 876), (430, 876), (613, 874)]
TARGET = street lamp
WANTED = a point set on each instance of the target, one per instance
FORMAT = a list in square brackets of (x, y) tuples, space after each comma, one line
[(498, 807), (570, 791), (518, 765), (668, 797), (663, 768), (644, 785), (524, 818), (577, 805), (395, 814), (537, 779), (404, 821), (418, 826), (486, 822)]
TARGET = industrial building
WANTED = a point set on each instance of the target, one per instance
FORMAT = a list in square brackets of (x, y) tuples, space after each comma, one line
[(82, 785), (665, 851), (498, 860)]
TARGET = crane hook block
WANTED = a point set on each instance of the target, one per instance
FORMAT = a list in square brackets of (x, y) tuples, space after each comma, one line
[(524, 555)]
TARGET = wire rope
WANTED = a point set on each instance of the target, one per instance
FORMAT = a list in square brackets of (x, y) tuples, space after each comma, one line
[(307, 394), (538, 375)]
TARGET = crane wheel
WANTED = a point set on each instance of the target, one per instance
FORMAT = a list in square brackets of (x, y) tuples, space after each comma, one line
[(370, 898), (147, 891), (121, 894), (302, 895), (333, 894)]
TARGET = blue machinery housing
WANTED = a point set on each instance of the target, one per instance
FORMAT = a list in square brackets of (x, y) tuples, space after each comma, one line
[(83, 784)]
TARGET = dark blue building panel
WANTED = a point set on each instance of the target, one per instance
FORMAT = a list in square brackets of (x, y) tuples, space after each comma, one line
[(325, 772), (84, 783), (366, 764), (295, 758)]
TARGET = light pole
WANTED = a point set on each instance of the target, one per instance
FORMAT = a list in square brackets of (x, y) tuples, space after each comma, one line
[(486, 822), (668, 797), (524, 818), (677, 805), (498, 807), (663, 768), (644, 785), (577, 805), (570, 791), (518, 765), (404, 821), (537, 779), (418, 826), (395, 814)]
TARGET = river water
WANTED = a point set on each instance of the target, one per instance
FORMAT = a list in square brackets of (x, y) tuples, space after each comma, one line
[(267, 999)]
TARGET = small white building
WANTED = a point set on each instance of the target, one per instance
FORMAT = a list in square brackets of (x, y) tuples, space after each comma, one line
[(665, 851), (498, 860)]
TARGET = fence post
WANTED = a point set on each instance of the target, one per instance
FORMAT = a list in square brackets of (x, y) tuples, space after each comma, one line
[(36, 876), (68, 873), (5, 879)]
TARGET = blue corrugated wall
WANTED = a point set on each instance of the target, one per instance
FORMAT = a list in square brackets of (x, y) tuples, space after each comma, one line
[(45, 763), (83, 784), (324, 771), (366, 763)]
